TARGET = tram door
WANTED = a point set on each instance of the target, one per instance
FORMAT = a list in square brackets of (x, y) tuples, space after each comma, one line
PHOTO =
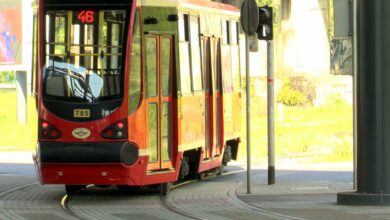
[(159, 54), (213, 100)]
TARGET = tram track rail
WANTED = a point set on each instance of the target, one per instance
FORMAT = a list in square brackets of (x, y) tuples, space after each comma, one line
[(232, 195), (178, 211), (172, 208), (167, 203), (67, 209), (64, 200), (14, 189)]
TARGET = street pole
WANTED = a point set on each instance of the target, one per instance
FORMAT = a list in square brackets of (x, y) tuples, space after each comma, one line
[(354, 69), (248, 114), (270, 112), (249, 21)]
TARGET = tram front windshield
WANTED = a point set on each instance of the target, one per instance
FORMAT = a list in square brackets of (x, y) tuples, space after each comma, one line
[(84, 52)]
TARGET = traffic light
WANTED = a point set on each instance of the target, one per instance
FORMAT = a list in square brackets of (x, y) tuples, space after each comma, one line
[(265, 29)]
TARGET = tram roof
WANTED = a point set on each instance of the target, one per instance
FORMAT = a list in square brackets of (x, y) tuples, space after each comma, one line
[(194, 4)]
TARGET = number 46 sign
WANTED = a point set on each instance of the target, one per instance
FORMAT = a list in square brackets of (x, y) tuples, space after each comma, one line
[(84, 17)]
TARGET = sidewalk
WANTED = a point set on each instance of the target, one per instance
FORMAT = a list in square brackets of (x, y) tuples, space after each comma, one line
[(7, 86), (296, 164), (308, 195), (16, 157)]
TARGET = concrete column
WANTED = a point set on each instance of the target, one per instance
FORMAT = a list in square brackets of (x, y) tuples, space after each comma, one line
[(21, 96), (373, 105)]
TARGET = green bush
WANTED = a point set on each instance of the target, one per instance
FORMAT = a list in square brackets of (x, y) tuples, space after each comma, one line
[(7, 77), (335, 99), (290, 97)]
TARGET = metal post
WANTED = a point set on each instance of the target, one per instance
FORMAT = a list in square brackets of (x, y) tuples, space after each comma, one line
[(21, 96), (354, 70), (248, 114), (270, 112)]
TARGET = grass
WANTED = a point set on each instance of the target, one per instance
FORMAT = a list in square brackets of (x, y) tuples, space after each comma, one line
[(318, 134), (16, 136)]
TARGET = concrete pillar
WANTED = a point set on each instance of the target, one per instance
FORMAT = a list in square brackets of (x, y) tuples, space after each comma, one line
[(373, 105), (21, 96)]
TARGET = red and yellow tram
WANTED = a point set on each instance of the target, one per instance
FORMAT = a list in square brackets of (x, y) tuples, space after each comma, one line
[(136, 92)]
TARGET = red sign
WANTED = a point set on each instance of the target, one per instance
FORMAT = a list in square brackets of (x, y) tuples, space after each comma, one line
[(85, 17)]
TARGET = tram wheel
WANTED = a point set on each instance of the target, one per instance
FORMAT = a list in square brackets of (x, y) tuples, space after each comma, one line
[(73, 189), (220, 170), (165, 188), (201, 176), (103, 186)]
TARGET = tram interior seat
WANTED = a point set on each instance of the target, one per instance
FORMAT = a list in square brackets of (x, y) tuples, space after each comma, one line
[(55, 86)]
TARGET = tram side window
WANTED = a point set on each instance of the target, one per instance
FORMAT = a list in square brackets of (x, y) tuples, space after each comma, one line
[(233, 32), (195, 54), (135, 68), (151, 66), (184, 47), (225, 32), (235, 51), (226, 58)]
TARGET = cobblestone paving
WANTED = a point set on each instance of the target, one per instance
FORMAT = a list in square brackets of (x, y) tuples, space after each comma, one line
[(215, 198), (13, 175), (296, 195), (33, 202), (117, 205)]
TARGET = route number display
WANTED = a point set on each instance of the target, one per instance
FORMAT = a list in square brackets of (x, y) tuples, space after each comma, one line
[(84, 17)]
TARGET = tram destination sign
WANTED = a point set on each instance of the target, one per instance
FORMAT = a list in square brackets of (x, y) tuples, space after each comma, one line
[(249, 16), (85, 17)]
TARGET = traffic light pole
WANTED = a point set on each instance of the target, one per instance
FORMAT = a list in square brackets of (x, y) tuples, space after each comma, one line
[(248, 116), (373, 105), (270, 112)]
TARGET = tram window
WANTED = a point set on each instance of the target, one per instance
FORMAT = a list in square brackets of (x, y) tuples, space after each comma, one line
[(184, 28), (233, 33), (151, 66), (195, 54), (153, 132), (235, 51), (60, 23), (166, 65), (184, 48), (84, 60), (225, 32), (219, 67), (166, 133), (135, 68)]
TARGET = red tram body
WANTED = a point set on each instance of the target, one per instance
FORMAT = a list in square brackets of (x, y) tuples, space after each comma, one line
[(136, 92)]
